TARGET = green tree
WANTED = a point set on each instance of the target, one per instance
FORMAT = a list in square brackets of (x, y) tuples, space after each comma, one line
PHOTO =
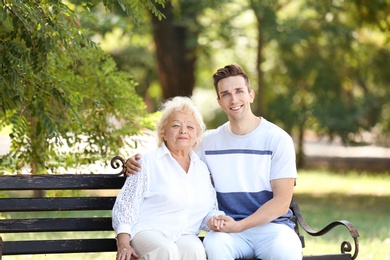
[(319, 65), (176, 47), (65, 99), (266, 18), (326, 79), (167, 51), (130, 45)]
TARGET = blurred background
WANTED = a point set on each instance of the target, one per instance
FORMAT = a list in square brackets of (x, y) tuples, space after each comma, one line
[(79, 77), (81, 82)]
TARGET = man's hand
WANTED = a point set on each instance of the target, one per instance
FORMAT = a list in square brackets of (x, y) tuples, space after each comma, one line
[(132, 166)]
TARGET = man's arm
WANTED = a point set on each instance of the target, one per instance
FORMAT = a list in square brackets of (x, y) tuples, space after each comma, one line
[(277, 206), (132, 166)]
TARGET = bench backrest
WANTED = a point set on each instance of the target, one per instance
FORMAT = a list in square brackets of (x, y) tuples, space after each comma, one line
[(65, 223)]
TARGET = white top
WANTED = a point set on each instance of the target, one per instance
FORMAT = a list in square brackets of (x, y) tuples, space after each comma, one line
[(164, 197), (242, 166)]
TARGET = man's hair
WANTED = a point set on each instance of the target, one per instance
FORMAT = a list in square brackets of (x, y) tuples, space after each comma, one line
[(230, 71)]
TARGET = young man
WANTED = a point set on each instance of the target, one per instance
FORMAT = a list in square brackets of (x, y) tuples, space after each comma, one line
[(252, 163)]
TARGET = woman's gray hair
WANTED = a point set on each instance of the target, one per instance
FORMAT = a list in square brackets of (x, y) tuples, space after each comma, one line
[(180, 104)]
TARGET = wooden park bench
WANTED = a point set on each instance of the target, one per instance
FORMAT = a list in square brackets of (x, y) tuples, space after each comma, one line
[(62, 220)]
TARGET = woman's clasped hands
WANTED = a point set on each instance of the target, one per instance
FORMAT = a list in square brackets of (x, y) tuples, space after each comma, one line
[(216, 223), (224, 224)]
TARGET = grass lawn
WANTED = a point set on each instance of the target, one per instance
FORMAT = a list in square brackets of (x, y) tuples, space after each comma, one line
[(361, 199), (323, 197)]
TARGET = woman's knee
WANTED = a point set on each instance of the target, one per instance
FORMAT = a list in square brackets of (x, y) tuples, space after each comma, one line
[(191, 248), (153, 245), (168, 251)]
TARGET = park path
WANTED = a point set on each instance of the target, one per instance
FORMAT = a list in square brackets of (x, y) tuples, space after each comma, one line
[(317, 151)]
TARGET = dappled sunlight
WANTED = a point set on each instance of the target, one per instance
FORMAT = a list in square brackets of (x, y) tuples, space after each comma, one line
[(317, 182)]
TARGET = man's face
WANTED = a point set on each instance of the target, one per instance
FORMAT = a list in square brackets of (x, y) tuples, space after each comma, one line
[(234, 97)]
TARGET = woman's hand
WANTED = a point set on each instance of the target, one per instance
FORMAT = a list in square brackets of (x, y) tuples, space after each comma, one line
[(224, 224), (125, 251), (230, 225), (215, 223)]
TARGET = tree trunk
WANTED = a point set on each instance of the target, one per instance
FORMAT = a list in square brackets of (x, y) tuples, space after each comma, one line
[(259, 98), (176, 46), (301, 152)]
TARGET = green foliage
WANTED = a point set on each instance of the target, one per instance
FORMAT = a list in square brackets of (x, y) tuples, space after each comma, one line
[(66, 100), (128, 44), (134, 8), (28, 33), (323, 65), (325, 78)]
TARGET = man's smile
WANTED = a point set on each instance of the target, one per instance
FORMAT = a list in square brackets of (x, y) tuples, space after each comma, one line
[(235, 108)]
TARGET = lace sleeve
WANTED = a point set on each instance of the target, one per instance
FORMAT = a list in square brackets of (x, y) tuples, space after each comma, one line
[(126, 208), (213, 209)]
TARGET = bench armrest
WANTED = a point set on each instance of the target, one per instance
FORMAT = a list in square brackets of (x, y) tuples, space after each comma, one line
[(117, 162), (1, 247), (345, 245)]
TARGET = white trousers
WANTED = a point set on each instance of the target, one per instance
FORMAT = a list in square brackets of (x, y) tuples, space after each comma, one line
[(153, 245), (268, 242)]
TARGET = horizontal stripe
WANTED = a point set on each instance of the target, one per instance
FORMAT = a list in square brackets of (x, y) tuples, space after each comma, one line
[(241, 151), (240, 205)]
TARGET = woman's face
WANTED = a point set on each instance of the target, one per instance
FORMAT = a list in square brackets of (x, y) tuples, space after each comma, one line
[(180, 132)]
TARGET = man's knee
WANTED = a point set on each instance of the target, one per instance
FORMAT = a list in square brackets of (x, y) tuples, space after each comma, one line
[(285, 249), (221, 245), (216, 240), (283, 253)]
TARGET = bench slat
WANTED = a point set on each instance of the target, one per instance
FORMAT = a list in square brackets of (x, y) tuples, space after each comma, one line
[(55, 225), (56, 204), (59, 246), (88, 223), (61, 182), (328, 257)]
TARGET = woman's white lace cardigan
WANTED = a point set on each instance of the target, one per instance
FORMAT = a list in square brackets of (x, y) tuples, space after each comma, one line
[(164, 197)]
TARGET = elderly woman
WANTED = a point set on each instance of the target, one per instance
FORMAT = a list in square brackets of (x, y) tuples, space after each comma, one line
[(159, 211)]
